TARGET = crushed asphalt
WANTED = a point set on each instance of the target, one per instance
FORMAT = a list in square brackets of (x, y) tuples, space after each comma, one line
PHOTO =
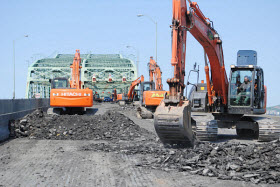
[(256, 163), (109, 126)]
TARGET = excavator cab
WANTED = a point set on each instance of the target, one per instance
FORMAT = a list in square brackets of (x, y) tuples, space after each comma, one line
[(145, 86), (241, 87), (246, 90), (137, 95), (59, 82)]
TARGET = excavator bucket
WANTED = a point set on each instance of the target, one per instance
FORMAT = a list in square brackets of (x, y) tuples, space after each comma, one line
[(144, 113), (173, 124)]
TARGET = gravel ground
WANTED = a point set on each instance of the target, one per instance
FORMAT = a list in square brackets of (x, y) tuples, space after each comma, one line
[(60, 163), (115, 133), (227, 161)]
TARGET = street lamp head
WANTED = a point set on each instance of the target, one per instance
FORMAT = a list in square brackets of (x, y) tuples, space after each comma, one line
[(26, 36), (140, 15), (128, 46)]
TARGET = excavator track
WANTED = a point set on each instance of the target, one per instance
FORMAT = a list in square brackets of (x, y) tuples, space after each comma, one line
[(54, 111), (144, 113), (206, 127), (269, 128), (207, 131), (173, 124)]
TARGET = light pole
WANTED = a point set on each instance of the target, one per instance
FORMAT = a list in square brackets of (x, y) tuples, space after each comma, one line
[(141, 15), (137, 51), (14, 59)]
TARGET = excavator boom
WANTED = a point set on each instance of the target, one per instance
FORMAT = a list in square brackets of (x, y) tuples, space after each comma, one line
[(172, 118), (155, 74), (179, 37), (200, 27), (75, 80)]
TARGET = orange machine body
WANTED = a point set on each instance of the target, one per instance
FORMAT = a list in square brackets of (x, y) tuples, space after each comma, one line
[(202, 30), (73, 96), (119, 97), (153, 98)]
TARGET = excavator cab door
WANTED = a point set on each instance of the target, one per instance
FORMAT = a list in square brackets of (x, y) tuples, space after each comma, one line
[(246, 90), (137, 95), (145, 86), (241, 90), (259, 92)]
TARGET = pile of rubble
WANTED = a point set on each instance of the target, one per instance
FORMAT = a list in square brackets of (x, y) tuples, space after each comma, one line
[(258, 163), (128, 107), (109, 126)]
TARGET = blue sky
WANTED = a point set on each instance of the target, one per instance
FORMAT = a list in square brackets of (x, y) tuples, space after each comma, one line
[(107, 26)]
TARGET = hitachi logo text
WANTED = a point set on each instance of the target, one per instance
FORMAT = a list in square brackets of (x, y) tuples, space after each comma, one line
[(71, 94)]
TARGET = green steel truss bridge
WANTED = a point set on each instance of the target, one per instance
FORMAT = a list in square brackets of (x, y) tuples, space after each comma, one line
[(100, 72)]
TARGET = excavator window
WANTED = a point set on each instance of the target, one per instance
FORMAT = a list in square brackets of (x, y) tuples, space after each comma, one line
[(259, 89), (240, 87), (137, 95), (59, 83), (146, 87)]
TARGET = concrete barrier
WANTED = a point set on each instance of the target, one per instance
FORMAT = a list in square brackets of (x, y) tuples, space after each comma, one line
[(15, 109)]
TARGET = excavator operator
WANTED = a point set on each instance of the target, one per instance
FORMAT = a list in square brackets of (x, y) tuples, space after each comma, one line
[(60, 85), (244, 91)]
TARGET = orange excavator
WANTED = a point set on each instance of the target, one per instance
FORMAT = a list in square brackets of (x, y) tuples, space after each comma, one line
[(218, 103), (129, 97), (68, 96), (150, 93)]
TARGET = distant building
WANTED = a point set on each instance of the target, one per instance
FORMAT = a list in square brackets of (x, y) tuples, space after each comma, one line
[(100, 72), (273, 110)]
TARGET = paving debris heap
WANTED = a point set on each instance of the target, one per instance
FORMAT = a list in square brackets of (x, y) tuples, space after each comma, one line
[(257, 163), (109, 126)]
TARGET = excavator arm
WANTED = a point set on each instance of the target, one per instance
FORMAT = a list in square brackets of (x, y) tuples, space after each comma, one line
[(152, 66), (158, 73), (155, 74), (179, 36), (172, 119), (202, 30), (75, 79), (200, 27), (133, 85)]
